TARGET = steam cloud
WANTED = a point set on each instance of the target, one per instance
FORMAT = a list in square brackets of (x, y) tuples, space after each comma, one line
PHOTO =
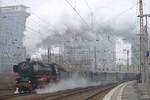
[(74, 82), (54, 20)]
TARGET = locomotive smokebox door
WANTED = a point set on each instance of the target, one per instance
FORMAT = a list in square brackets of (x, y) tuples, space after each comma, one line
[(15, 68)]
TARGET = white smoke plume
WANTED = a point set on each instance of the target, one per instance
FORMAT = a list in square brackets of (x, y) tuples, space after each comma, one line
[(74, 82), (50, 17)]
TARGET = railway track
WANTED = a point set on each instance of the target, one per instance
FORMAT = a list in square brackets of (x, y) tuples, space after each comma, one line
[(6, 89), (88, 93), (6, 92), (99, 94), (9, 96), (61, 94), (94, 92)]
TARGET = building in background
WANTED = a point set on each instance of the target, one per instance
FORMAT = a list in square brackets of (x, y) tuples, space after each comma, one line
[(77, 55), (12, 27), (85, 55), (106, 53)]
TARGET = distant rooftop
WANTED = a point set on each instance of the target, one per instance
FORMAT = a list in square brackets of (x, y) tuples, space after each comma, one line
[(13, 8)]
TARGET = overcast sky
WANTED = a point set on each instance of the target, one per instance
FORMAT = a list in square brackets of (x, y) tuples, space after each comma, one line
[(49, 15)]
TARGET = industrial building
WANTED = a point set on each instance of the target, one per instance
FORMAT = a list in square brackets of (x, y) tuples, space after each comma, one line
[(12, 27)]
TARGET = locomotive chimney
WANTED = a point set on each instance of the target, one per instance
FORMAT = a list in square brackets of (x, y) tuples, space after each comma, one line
[(28, 59)]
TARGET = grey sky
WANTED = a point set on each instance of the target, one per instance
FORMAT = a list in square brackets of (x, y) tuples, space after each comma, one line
[(49, 15)]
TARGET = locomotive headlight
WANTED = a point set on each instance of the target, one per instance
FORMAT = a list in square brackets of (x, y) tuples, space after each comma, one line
[(16, 81), (29, 81)]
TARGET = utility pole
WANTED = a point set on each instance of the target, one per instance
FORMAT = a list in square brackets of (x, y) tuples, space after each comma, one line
[(95, 53), (144, 52), (128, 61), (49, 55), (146, 31), (146, 37), (142, 48), (146, 69), (141, 18)]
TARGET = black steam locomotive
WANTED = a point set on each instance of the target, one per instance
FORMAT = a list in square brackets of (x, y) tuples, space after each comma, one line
[(35, 74)]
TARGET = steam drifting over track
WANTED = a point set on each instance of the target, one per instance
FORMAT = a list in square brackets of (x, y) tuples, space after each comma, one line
[(87, 93)]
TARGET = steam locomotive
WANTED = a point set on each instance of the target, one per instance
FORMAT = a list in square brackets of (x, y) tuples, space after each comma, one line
[(35, 74)]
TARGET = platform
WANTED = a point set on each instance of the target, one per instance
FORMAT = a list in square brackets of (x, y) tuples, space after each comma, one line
[(127, 91)]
